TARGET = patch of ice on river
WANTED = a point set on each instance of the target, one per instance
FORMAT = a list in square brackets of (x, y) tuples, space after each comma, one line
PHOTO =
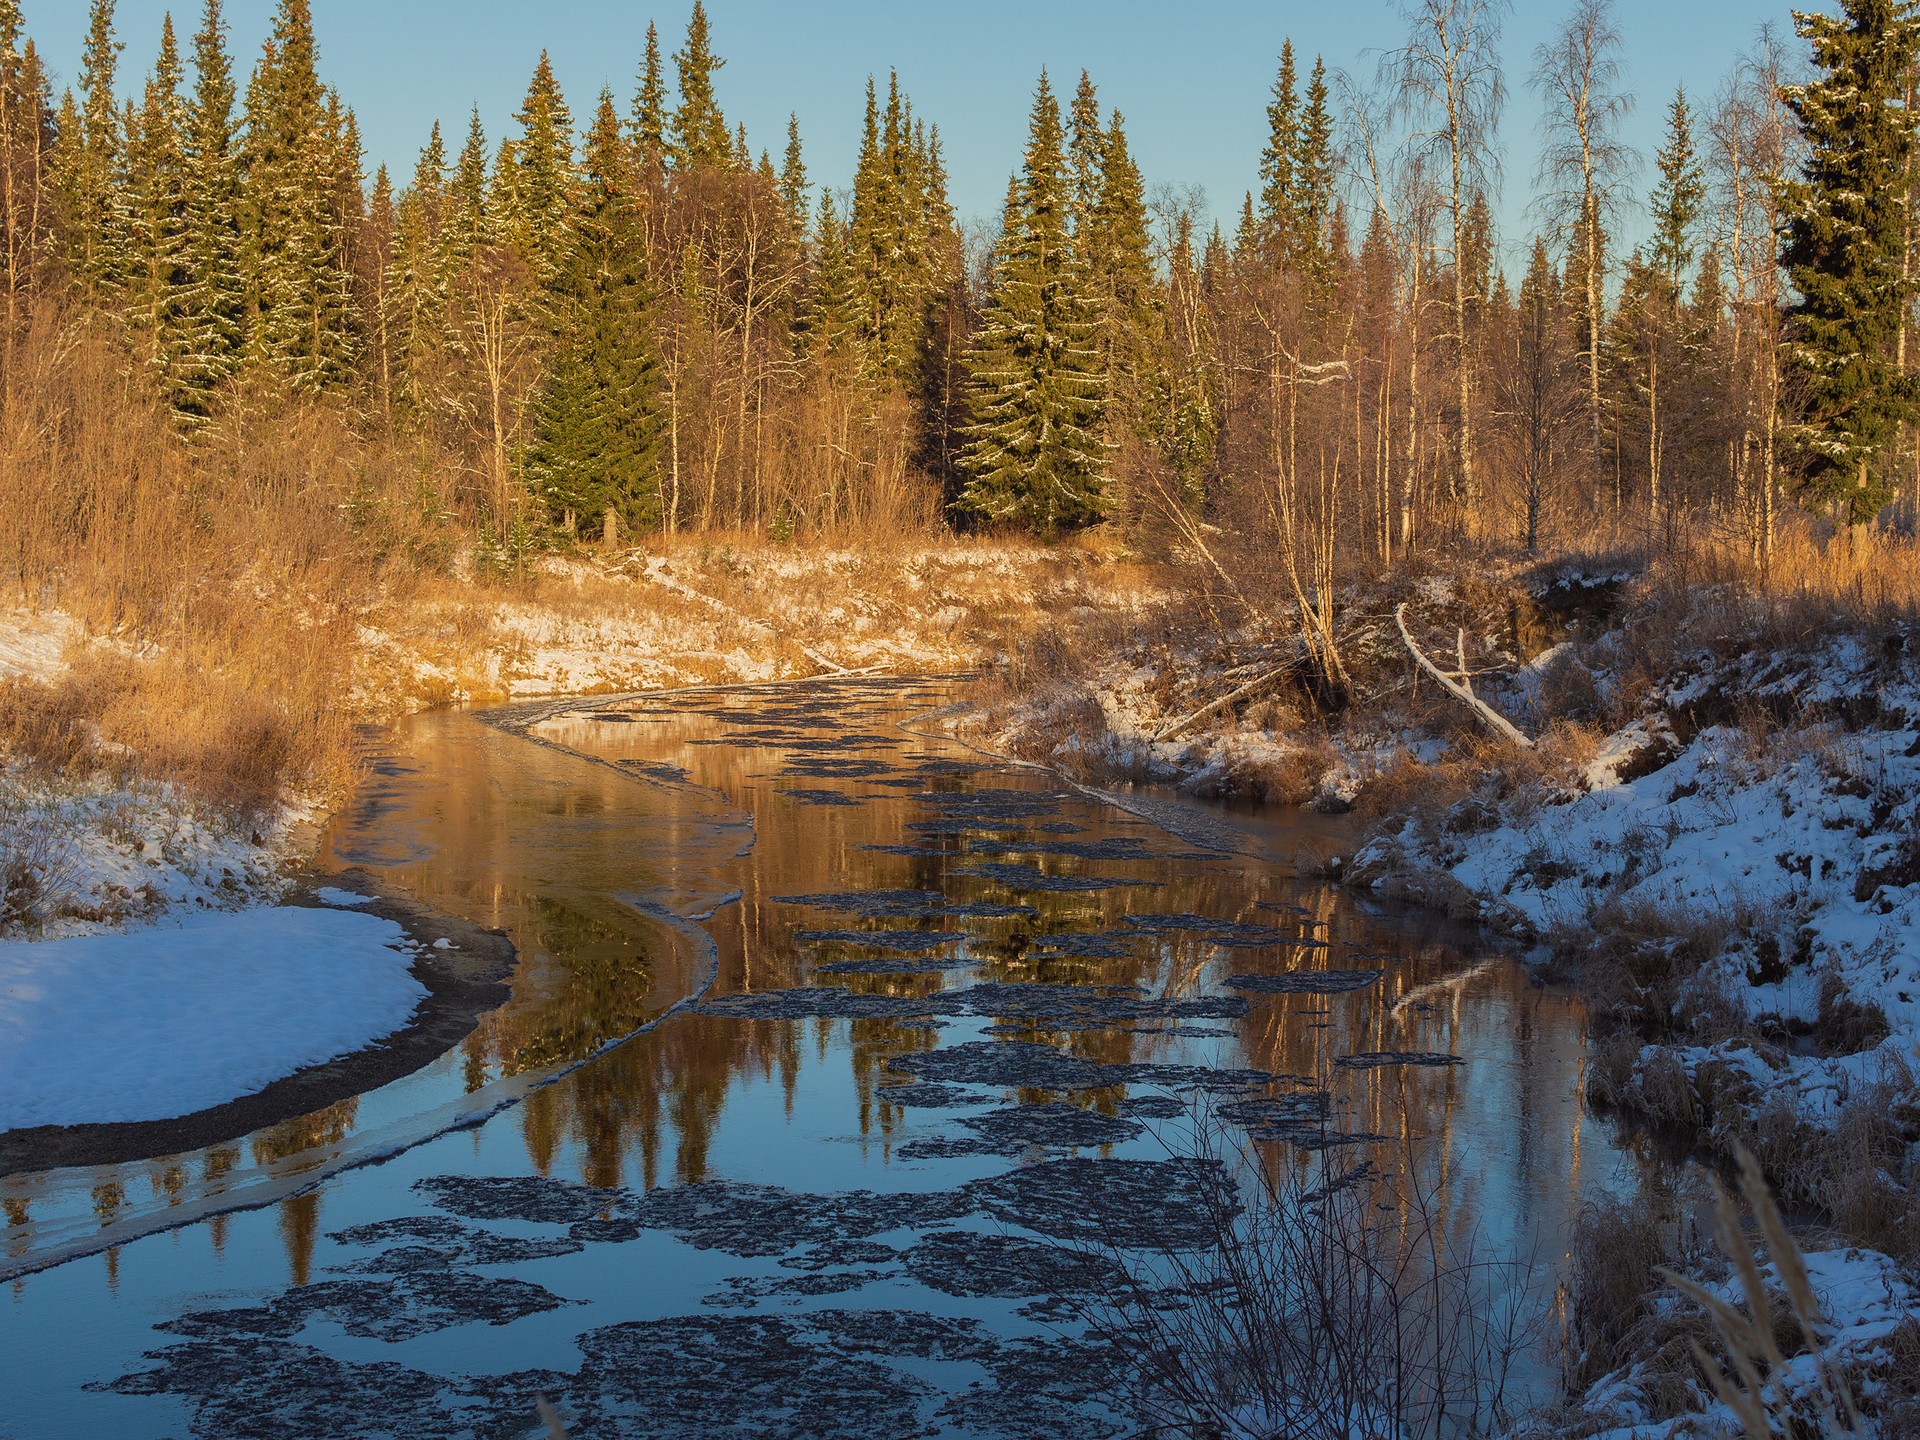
[(164, 1022)]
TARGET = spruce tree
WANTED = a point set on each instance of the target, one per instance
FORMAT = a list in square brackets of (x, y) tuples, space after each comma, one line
[(939, 209), (417, 278), (836, 322), (700, 138), (207, 342), (1251, 239), (305, 326), (545, 183), (504, 225), (467, 224), (1844, 244), (1119, 267), (1677, 198), (650, 110), (1086, 155), (26, 137), (155, 201), (889, 235), (373, 261), (1314, 172), (794, 193), (90, 161), (1034, 454), (1279, 182), (597, 420)]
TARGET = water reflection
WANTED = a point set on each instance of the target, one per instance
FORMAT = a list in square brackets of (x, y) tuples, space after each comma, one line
[(908, 946)]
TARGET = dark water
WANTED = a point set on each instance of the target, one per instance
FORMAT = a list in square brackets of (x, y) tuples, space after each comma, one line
[(946, 1016)]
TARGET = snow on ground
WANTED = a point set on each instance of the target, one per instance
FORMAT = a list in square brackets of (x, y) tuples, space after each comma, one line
[(33, 643), (1109, 723), (1803, 845), (698, 616), (1862, 1295), (83, 854), (166, 1021)]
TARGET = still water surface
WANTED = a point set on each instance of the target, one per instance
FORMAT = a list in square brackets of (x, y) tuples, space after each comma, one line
[(826, 1037)]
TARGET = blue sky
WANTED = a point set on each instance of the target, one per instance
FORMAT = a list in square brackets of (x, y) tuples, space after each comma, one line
[(1191, 78)]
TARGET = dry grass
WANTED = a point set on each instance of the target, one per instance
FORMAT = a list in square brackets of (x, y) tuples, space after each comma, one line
[(1638, 1302), (1293, 777), (226, 569), (219, 728), (1613, 1308), (1480, 781), (1757, 1335)]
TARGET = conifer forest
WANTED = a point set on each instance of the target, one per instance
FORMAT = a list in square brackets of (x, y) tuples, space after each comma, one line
[(652, 787), (628, 308)]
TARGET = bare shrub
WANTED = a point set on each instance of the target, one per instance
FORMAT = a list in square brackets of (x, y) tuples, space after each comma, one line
[(36, 859), (1330, 1302), (1568, 690)]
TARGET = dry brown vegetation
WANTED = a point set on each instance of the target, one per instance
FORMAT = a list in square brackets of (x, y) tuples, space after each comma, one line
[(224, 574), (290, 574), (1687, 1323)]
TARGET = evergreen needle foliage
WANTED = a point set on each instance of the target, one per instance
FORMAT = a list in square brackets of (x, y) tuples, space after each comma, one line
[(1846, 245), (1035, 454)]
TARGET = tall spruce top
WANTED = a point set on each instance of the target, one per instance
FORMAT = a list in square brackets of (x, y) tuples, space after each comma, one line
[(700, 136)]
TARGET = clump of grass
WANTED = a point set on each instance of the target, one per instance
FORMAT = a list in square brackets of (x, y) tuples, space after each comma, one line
[(1614, 1302), (1755, 1336)]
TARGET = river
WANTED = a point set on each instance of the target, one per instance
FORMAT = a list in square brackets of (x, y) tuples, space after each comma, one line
[(827, 1037)]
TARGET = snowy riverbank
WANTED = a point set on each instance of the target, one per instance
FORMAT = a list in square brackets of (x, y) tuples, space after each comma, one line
[(164, 1021), (1715, 835)]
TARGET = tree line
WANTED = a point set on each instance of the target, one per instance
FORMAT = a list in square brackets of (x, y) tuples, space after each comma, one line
[(635, 323)]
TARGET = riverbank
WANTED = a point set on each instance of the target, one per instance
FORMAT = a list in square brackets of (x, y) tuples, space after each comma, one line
[(1708, 832), (233, 1022), (107, 819), (1708, 827), (124, 852)]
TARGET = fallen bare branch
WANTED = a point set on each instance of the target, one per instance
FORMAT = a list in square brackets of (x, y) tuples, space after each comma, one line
[(1252, 687), (1487, 715)]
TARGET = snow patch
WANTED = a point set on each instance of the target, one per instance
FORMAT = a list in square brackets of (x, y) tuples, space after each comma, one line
[(167, 1021)]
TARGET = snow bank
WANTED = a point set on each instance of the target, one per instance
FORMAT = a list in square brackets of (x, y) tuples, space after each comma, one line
[(1863, 1296), (88, 854), (1802, 845), (164, 1022)]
